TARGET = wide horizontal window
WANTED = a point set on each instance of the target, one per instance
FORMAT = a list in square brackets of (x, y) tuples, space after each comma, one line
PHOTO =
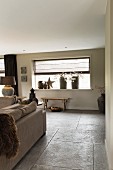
[(62, 73)]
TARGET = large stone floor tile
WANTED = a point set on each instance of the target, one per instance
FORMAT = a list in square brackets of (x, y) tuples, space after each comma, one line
[(73, 135), (82, 136), (34, 153), (91, 127), (98, 136), (67, 154), (100, 159), (92, 119), (62, 123), (63, 115), (43, 167)]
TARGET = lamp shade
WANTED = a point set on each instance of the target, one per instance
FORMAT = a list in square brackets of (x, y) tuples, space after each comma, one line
[(8, 80)]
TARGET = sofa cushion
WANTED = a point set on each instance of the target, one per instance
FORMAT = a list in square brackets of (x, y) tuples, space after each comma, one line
[(16, 113), (20, 111), (29, 108)]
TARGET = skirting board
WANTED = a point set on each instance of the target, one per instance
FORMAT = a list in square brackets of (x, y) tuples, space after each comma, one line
[(108, 159)]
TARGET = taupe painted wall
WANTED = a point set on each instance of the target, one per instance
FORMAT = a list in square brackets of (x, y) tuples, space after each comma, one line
[(109, 82), (80, 99)]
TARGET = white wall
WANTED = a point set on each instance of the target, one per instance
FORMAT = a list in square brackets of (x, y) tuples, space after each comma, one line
[(109, 82), (79, 99)]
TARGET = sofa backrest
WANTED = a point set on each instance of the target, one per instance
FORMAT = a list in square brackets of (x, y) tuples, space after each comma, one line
[(6, 101)]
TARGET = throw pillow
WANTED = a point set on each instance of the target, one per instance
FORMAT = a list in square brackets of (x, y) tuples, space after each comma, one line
[(29, 108), (16, 113)]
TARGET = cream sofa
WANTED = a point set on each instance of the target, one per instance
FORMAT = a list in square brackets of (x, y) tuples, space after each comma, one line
[(30, 127)]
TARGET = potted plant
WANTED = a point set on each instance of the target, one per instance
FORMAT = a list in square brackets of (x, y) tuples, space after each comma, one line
[(74, 82), (74, 77), (63, 81)]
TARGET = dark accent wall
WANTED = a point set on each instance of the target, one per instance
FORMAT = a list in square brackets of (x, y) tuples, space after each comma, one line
[(11, 68)]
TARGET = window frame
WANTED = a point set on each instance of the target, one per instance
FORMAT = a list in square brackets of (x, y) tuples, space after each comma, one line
[(60, 73)]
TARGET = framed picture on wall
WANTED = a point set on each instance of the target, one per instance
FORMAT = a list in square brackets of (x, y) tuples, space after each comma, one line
[(23, 70), (24, 78)]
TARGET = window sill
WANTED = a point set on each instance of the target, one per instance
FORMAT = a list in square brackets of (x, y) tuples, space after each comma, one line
[(64, 89)]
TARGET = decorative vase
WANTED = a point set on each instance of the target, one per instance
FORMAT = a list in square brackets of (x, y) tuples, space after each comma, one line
[(7, 90), (40, 85), (63, 83), (45, 85), (74, 82), (101, 103)]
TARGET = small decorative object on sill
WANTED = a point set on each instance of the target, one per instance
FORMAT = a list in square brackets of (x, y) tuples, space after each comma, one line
[(32, 96), (45, 85), (55, 109), (63, 82), (40, 85), (49, 83), (74, 82)]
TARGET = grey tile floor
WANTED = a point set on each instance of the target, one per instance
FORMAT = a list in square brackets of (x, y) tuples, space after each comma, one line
[(74, 141)]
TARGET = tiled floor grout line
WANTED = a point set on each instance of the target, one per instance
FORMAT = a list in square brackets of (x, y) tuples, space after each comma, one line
[(48, 143), (78, 122), (44, 148)]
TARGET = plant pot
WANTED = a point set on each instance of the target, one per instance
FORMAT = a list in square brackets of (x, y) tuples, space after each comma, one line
[(74, 82), (63, 83)]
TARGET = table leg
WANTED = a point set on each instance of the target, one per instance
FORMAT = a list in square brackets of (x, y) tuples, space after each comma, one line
[(65, 104), (45, 104)]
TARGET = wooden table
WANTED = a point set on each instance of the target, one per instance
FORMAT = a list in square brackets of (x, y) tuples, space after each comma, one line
[(46, 99)]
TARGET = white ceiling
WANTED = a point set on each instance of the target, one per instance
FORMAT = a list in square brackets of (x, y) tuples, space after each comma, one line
[(31, 26)]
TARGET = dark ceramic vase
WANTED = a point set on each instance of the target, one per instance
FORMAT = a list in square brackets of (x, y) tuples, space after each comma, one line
[(40, 85), (63, 83), (74, 83)]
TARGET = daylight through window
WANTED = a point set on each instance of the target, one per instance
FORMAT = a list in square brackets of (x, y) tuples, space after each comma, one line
[(2, 72), (62, 73)]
